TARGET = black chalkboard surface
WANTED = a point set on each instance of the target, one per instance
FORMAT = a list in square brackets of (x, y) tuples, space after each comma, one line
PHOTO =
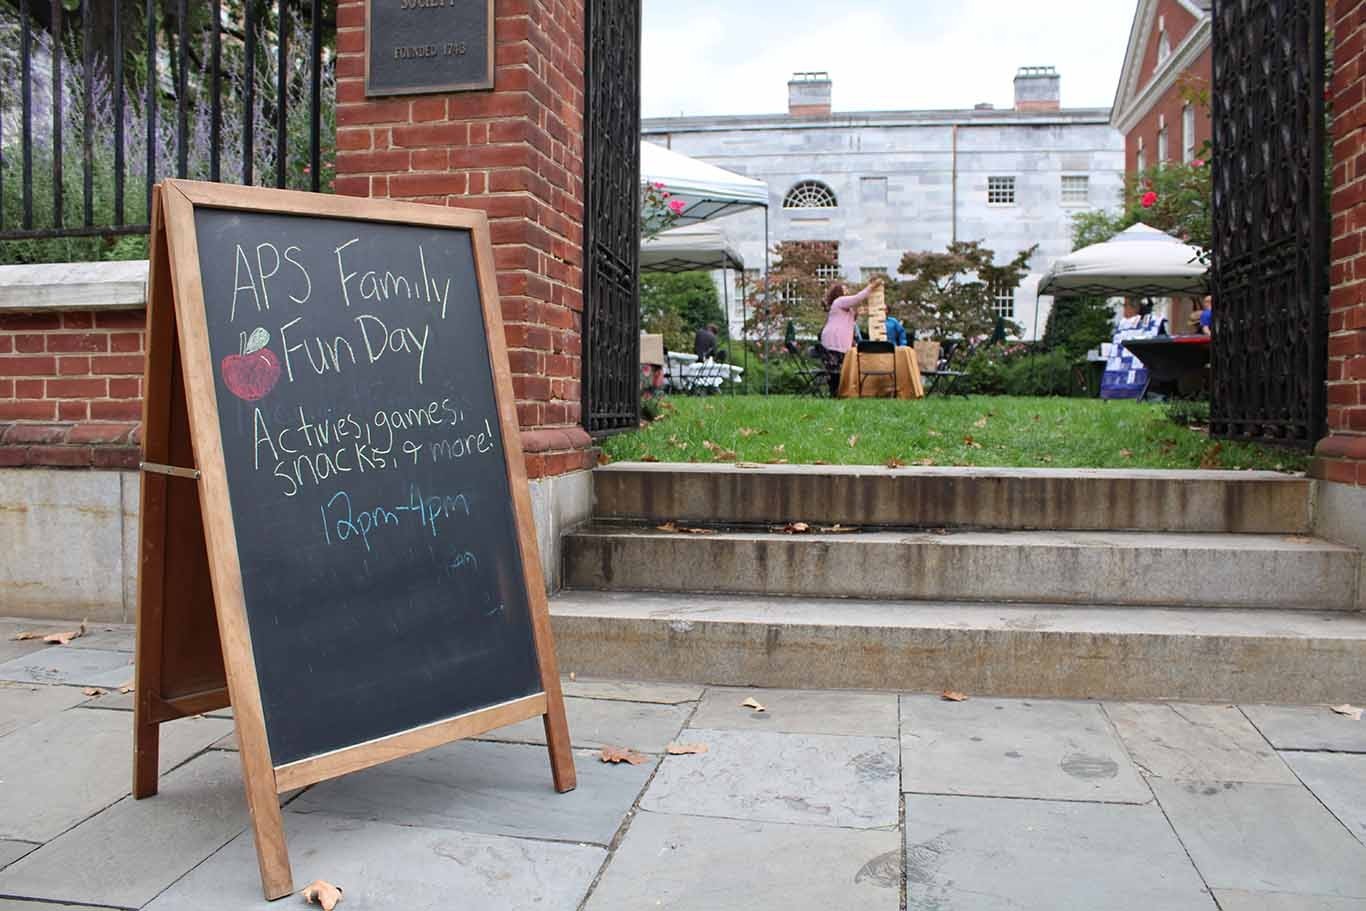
[(366, 471)]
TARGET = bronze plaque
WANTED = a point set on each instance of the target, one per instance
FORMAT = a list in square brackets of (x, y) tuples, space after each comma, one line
[(417, 46)]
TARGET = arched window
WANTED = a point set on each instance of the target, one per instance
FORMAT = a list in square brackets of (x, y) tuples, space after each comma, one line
[(810, 194)]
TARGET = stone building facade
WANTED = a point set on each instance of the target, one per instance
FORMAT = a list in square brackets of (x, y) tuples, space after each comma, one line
[(882, 183)]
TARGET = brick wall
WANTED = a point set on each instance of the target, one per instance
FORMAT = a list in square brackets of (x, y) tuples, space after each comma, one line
[(1341, 456), (1168, 109), (517, 153), (71, 388)]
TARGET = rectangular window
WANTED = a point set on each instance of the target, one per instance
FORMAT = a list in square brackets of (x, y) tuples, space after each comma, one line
[(1003, 302), (1142, 156), (1075, 189), (1000, 191), (873, 190), (1187, 134), (828, 273), (1162, 145)]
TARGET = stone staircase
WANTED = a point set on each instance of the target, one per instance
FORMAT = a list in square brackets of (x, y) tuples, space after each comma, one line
[(1115, 584)]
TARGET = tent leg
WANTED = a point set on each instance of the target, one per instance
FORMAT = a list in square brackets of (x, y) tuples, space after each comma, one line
[(766, 289), (725, 297)]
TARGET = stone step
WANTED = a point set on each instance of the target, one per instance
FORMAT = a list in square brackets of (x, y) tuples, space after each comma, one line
[(1057, 567), (999, 650), (1005, 498)]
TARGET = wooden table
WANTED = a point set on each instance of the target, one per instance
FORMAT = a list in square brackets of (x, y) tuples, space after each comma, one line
[(908, 384)]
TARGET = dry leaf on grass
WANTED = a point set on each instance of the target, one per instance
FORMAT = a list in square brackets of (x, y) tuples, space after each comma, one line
[(752, 703), (322, 892), (980, 422), (933, 433), (750, 432), (604, 458), (719, 453), (93, 691), (682, 749), (621, 754), (775, 461), (924, 461), (953, 696), (1210, 459), (649, 458), (895, 463), (1351, 711), (853, 441), (1126, 453), (969, 442), (819, 462)]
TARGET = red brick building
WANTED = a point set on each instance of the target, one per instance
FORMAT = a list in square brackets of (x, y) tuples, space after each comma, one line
[(1168, 59)]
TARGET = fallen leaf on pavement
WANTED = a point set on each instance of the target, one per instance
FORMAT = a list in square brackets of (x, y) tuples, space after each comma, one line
[(953, 696), (853, 441), (604, 458), (93, 691), (1298, 539), (322, 892), (127, 687), (895, 463), (621, 754), (667, 526), (838, 529), (65, 637), (1351, 711), (573, 676), (681, 749), (752, 703), (28, 634), (795, 528), (690, 530)]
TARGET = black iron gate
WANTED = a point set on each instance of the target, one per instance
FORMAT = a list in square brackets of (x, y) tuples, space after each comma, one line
[(1270, 218), (611, 330)]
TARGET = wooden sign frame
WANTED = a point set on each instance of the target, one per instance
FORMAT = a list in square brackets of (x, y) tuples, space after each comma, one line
[(194, 650)]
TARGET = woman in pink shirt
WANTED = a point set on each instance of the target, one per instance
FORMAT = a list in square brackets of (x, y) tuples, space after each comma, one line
[(838, 335)]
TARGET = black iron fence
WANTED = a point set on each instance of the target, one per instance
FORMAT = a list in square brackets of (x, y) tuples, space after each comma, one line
[(99, 99)]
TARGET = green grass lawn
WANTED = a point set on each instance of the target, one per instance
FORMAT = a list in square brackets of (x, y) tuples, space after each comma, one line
[(989, 431)]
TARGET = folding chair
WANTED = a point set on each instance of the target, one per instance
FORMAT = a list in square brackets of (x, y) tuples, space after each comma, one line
[(810, 370), (945, 380), (876, 358)]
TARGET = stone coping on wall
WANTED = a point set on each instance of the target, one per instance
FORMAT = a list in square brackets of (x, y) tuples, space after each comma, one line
[(47, 287)]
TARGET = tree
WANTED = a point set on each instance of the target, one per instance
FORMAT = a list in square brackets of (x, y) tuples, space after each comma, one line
[(949, 294), (1078, 324), (1169, 196), (676, 305), (797, 281)]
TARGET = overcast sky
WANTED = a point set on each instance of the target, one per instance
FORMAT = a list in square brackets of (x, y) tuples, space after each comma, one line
[(735, 56)]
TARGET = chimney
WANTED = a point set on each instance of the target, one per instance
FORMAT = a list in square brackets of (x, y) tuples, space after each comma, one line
[(1037, 89), (808, 95)]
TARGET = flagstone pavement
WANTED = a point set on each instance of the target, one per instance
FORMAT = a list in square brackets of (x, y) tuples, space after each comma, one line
[(825, 800)]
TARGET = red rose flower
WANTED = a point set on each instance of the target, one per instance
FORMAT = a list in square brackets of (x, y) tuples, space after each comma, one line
[(1149, 199)]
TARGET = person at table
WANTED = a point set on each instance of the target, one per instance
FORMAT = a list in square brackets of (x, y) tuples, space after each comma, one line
[(1206, 315), (896, 332), (840, 322), (704, 342)]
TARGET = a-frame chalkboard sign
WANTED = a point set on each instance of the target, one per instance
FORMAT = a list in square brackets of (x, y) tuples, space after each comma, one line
[(337, 535)]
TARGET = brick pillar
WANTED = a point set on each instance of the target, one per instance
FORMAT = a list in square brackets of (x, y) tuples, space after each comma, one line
[(516, 152), (1341, 456)]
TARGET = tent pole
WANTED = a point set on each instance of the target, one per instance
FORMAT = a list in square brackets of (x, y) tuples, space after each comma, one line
[(766, 290), (725, 297)]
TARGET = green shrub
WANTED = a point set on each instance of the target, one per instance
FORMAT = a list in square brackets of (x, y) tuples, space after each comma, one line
[(1039, 374), (1187, 413), (1078, 324)]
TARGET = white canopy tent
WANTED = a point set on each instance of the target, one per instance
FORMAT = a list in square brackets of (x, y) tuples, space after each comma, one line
[(706, 191), (1137, 262), (695, 246)]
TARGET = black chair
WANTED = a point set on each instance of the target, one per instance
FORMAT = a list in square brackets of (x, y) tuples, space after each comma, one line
[(946, 379), (876, 359)]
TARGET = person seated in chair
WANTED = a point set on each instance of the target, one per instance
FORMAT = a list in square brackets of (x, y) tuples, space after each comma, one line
[(896, 332), (704, 342)]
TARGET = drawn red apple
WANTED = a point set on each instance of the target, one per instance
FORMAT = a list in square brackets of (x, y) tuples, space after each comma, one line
[(252, 374)]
